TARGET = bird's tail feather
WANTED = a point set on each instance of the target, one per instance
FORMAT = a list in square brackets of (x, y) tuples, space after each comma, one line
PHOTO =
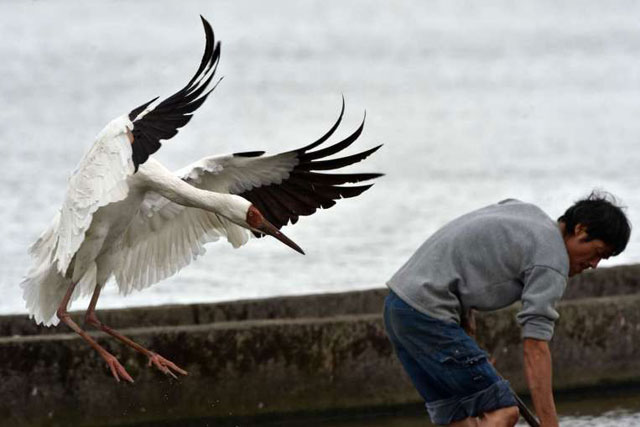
[(43, 289)]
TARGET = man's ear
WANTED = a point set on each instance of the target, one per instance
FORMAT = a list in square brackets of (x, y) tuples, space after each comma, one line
[(580, 230)]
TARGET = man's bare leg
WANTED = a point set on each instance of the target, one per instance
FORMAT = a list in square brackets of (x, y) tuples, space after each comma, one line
[(116, 368), (154, 359), (467, 422), (503, 417)]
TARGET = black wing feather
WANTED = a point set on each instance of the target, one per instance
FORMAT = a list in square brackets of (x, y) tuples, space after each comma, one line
[(338, 163), (305, 191), (333, 148), (333, 179), (163, 121)]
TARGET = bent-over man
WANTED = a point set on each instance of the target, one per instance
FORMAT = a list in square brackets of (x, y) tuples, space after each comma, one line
[(486, 260)]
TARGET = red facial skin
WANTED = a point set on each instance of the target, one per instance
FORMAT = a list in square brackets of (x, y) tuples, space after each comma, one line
[(257, 221), (583, 253), (254, 217)]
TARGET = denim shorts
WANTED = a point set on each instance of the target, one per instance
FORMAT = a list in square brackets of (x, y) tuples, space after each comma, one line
[(450, 371)]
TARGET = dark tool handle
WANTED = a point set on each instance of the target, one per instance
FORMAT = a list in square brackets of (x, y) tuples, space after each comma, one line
[(526, 412)]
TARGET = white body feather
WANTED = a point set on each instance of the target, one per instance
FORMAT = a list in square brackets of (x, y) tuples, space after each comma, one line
[(139, 227)]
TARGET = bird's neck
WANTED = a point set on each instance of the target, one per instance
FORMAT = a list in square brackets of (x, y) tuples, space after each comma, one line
[(230, 206), (157, 178)]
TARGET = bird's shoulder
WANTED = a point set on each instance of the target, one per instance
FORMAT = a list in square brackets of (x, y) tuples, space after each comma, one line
[(215, 164), (116, 127), (237, 166), (111, 141)]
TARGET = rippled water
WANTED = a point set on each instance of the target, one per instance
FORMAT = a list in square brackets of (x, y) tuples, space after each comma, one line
[(614, 418), (604, 408), (537, 100)]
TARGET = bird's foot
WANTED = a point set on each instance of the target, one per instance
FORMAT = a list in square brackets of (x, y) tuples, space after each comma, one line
[(116, 368), (165, 365)]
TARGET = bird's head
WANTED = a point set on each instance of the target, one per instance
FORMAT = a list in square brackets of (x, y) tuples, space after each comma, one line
[(258, 222)]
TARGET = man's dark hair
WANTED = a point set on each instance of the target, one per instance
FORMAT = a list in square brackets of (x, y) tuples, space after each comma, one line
[(603, 218)]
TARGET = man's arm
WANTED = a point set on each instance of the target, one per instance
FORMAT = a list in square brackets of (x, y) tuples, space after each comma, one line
[(537, 369), (468, 323)]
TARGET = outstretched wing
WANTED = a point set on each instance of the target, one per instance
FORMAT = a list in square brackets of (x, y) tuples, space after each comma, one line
[(99, 179), (164, 120), (124, 144), (165, 237), (287, 185)]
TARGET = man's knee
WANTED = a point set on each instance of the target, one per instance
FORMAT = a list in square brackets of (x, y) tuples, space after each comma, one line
[(501, 417), (512, 415), (467, 422)]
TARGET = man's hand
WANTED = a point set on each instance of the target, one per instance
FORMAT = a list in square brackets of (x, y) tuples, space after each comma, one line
[(469, 323), (537, 369)]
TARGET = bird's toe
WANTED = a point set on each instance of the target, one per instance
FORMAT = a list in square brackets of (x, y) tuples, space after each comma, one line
[(117, 370), (165, 365)]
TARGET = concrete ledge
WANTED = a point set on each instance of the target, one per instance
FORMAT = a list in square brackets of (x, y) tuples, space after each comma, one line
[(601, 282), (268, 366), (596, 343), (622, 280), (236, 368), (293, 307)]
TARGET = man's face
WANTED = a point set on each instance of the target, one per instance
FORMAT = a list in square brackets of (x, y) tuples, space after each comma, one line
[(584, 253)]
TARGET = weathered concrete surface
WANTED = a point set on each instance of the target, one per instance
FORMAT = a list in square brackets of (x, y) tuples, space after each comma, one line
[(307, 306), (280, 355), (621, 280), (236, 368), (596, 342)]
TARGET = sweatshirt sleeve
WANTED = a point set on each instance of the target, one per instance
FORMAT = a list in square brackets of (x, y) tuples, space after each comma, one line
[(543, 288)]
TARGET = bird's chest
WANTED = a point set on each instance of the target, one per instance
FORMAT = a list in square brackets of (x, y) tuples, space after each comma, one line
[(110, 222)]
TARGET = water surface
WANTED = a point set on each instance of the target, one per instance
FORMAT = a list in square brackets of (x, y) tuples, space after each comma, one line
[(537, 100)]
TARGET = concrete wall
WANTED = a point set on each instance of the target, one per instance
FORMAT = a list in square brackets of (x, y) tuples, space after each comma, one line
[(310, 353), (621, 280)]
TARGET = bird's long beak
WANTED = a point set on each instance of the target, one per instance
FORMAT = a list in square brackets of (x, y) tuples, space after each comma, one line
[(267, 228), (258, 222)]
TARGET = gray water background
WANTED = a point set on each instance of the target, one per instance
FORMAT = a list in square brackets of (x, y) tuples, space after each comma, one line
[(475, 102)]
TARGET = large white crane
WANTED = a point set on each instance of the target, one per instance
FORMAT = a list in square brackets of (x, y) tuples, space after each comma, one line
[(126, 216)]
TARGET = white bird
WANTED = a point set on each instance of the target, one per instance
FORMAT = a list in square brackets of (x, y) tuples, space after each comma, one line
[(127, 216)]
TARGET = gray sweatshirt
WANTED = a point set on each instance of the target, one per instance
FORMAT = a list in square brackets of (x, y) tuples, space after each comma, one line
[(486, 260)]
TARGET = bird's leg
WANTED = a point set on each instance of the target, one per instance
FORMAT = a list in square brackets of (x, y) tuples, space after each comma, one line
[(154, 359), (116, 368)]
